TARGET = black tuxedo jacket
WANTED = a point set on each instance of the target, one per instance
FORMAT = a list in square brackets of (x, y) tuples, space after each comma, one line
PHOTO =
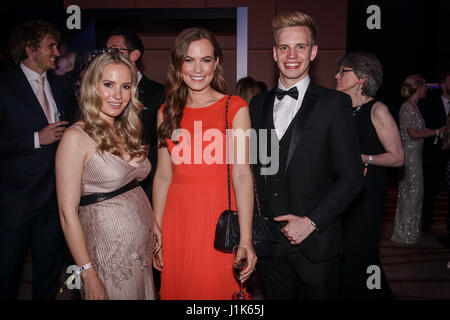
[(323, 168), (433, 112), (152, 95), (27, 175)]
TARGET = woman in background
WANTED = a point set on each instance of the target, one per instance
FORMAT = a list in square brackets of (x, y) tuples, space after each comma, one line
[(360, 76), (247, 88), (410, 187)]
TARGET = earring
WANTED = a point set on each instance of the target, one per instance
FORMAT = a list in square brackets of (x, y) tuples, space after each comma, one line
[(356, 90)]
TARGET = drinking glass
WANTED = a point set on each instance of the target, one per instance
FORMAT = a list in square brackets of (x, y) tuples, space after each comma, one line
[(240, 263)]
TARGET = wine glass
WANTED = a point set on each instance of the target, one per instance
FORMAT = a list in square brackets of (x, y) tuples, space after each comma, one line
[(240, 263)]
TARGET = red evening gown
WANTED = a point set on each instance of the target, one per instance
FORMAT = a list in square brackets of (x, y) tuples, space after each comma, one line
[(193, 269)]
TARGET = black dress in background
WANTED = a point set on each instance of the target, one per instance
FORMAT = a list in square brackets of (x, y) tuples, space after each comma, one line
[(362, 220)]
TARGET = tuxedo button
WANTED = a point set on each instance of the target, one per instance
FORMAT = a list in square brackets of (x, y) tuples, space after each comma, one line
[(275, 194)]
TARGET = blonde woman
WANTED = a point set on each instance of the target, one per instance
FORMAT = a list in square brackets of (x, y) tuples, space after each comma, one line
[(410, 187), (110, 231)]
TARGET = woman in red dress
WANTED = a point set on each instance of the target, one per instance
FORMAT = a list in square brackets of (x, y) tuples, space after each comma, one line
[(190, 185)]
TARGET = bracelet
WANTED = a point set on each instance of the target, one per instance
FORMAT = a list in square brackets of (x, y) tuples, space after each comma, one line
[(75, 275), (314, 225), (84, 268), (370, 160)]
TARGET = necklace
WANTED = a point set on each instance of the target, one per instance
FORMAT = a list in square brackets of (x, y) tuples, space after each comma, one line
[(357, 109)]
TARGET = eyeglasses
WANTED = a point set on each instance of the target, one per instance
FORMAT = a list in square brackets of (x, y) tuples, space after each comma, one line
[(121, 49), (341, 72)]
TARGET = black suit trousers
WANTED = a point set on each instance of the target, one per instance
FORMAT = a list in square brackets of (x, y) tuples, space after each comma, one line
[(289, 275), (41, 232)]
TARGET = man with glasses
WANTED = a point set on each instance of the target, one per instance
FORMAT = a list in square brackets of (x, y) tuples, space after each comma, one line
[(33, 100), (151, 94)]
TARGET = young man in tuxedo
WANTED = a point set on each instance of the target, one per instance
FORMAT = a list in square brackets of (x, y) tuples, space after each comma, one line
[(319, 172), (33, 101), (434, 110), (151, 93)]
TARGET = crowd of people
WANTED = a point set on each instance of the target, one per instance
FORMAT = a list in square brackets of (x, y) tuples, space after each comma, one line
[(117, 170)]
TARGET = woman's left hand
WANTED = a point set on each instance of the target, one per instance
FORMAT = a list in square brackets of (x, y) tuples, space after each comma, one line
[(157, 238), (251, 262)]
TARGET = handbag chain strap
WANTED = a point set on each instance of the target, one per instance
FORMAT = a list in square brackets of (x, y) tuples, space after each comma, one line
[(258, 206), (228, 154)]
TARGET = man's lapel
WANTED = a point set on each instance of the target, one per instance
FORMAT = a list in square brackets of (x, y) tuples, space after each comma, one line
[(301, 119), (21, 84), (56, 90)]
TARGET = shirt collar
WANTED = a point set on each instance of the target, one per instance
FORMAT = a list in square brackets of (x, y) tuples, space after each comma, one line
[(139, 76), (301, 85), (31, 74)]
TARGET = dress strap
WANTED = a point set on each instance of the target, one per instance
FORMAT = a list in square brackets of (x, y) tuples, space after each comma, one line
[(84, 132)]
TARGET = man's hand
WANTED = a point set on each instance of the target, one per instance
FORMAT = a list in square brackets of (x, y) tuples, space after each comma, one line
[(297, 229), (52, 133)]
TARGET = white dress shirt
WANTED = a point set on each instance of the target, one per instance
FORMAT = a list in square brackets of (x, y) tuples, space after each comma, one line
[(32, 77), (284, 110), (446, 103)]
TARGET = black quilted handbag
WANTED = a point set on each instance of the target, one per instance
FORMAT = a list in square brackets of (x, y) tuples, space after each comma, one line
[(264, 231)]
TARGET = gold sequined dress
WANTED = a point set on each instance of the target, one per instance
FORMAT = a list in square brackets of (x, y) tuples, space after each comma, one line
[(410, 187)]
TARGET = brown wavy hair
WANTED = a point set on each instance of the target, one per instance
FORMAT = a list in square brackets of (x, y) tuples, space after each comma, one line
[(177, 91), (127, 125), (30, 34), (247, 88)]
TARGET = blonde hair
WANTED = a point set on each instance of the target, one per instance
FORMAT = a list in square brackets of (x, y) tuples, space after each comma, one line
[(411, 84), (127, 125), (294, 19)]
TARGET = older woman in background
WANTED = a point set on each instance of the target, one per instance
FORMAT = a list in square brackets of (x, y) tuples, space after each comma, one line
[(410, 187), (360, 75)]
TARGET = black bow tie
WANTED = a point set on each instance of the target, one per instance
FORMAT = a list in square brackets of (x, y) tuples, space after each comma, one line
[(292, 92)]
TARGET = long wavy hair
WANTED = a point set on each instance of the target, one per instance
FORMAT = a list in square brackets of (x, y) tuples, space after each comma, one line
[(177, 90), (127, 125)]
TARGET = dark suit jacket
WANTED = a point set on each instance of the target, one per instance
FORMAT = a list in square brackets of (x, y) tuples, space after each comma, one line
[(433, 112), (27, 175), (152, 94), (323, 169)]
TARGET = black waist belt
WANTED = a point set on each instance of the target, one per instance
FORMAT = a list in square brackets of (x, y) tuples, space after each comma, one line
[(102, 196)]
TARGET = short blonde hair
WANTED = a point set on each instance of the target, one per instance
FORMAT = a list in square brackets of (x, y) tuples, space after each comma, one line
[(294, 19), (127, 125), (411, 84)]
